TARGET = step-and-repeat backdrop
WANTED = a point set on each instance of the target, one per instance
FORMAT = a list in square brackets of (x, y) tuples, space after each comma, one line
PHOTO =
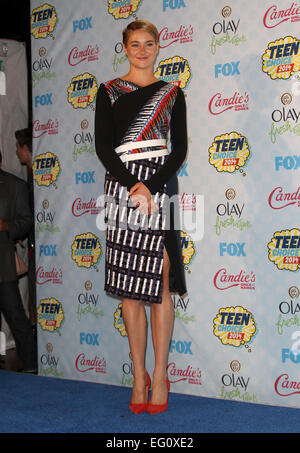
[(237, 331)]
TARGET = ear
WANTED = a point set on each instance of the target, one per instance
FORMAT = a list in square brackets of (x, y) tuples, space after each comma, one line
[(124, 49), (26, 149)]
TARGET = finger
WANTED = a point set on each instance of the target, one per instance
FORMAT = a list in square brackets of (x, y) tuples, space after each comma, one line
[(133, 189)]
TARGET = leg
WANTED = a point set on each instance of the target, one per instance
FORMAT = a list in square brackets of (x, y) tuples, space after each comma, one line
[(134, 317), (13, 311), (162, 322)]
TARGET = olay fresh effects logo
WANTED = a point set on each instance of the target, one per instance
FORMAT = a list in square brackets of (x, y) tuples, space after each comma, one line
[(46, 169), (289, 311), (236, 102), (281, 198), (284, 249), (225, 31), (175, 70), (42, 67), (122, 9), (234, 326), (285, 120), (49, 362), (224, 280), (48, 128), (229, 153), (43, 21), (78, 55), (235, 385), (84, 141), (82, 91), (45, 220), (181, 35), (88, 302), (275, 16), (282, 58), (229, 214)]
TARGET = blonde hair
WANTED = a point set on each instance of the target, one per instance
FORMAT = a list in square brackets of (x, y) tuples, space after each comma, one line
[(140, 25)]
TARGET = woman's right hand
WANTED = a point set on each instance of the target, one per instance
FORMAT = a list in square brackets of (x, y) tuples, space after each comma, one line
[(141, 196)]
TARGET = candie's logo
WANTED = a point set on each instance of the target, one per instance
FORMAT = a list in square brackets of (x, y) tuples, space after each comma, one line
[(188, 249), (224, 280), (284, 249), (220, 104), (82, 90), (50, 314), (43, 21), (39, 129), (234, 326), (284, 386), (229, 152), (46, 169), (280, 198), (84, 364), (122, 9), (282, 58), (80, 207), (175, 70), (182, 35), (86, 250), (77, 56), (275, 16)]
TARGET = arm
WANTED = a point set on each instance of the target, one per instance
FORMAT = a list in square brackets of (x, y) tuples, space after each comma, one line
[(22, 221), (178, 132), (104, 140)]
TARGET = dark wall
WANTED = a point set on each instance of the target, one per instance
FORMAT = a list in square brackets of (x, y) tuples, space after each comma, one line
[(15, 24)]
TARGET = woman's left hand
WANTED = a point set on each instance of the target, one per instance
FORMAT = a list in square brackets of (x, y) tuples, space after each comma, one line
[(141, 196)]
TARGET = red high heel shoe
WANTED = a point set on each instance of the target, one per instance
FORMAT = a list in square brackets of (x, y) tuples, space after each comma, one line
[(157, 408), (139, 408)]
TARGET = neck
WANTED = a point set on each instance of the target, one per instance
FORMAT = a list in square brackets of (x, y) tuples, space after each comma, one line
[(141, 77)]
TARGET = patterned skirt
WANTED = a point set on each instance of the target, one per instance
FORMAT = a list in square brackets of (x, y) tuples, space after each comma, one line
[(134, 242)]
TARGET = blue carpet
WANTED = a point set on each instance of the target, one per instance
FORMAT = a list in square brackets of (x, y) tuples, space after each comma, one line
[(36, 404)]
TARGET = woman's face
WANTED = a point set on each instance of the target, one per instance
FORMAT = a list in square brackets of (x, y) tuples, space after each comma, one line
[(141, 49)]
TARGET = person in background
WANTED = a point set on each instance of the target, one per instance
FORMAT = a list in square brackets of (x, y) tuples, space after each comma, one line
[(15, 223), (24, 153)]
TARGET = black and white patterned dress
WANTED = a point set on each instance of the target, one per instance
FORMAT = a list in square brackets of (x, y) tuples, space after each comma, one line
[(127, 114)]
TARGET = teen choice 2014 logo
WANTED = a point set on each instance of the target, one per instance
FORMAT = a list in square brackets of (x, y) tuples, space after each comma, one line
[(43, 21), (188, 249), (284, 249), (234, 326), (122, 9), (82, 90), (282, 58), (86, 250), (118, 321), (175, 70), (50, 314), (229, 152), (46, 169)]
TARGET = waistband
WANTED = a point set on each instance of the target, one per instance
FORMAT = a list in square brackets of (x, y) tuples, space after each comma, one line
[(126, 151)]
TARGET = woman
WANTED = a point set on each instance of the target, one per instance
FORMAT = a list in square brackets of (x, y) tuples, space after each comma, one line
[(133, 115)]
